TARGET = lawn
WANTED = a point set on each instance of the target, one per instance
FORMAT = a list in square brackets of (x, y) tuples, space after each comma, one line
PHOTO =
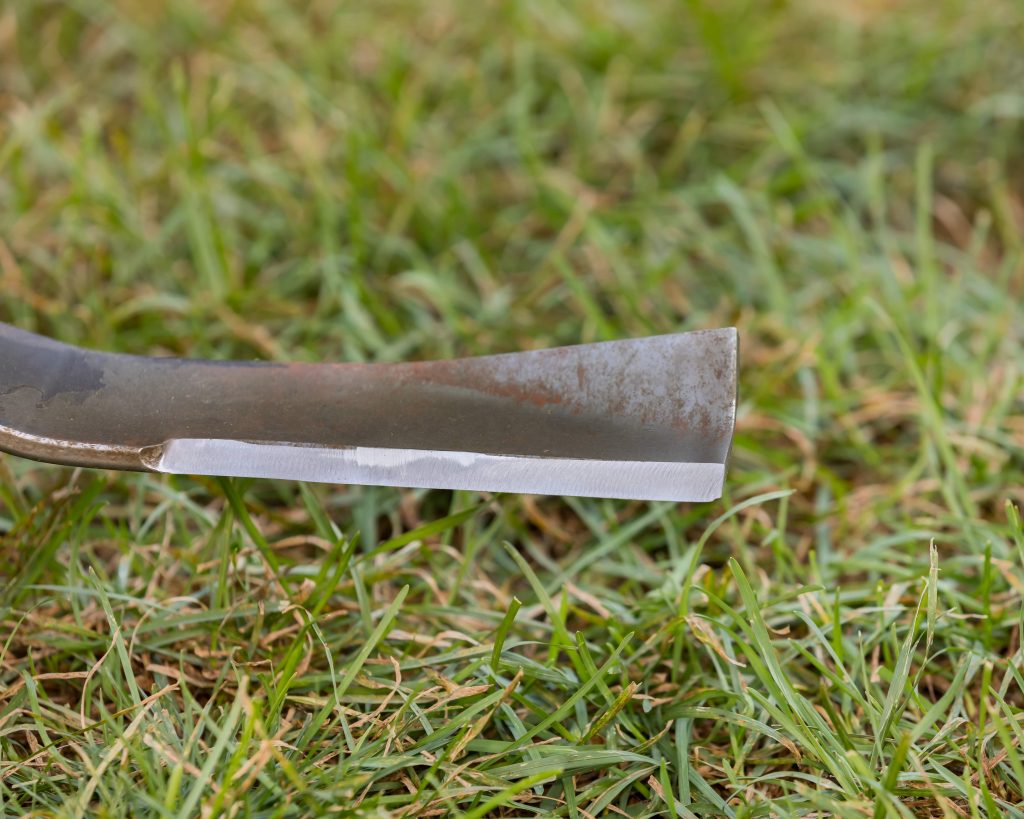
[(839, 635)]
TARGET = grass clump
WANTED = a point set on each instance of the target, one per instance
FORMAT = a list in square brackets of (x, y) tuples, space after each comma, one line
[(840, 635)]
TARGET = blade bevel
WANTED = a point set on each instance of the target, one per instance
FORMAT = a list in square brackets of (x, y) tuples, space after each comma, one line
[(440, 469)]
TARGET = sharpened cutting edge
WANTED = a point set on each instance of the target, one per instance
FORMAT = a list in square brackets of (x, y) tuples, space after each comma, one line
[(641, 480)]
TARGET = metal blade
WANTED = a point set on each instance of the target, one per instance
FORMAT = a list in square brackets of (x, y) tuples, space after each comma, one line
[(648, 418)]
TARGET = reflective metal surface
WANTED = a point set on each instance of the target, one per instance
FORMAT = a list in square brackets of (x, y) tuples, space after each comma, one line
[(648, 418)]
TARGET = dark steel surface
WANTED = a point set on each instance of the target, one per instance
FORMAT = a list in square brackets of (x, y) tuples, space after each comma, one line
[(664, 398)]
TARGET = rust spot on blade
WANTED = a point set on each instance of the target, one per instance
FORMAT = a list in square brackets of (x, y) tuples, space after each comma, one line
[(678, 381)]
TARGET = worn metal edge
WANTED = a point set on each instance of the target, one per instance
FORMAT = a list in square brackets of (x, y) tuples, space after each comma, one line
[(76, 453), (440, 469), (735, 337)]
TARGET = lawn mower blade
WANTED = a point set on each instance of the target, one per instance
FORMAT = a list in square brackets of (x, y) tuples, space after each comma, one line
[(648, 418)]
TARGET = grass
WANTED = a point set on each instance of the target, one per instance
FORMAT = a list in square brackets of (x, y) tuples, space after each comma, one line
[(839, 635)]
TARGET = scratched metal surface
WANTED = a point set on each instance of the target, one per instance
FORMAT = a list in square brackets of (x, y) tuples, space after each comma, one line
[(663, 399)]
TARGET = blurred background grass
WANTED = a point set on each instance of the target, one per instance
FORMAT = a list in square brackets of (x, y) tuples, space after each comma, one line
[(322, 181)]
